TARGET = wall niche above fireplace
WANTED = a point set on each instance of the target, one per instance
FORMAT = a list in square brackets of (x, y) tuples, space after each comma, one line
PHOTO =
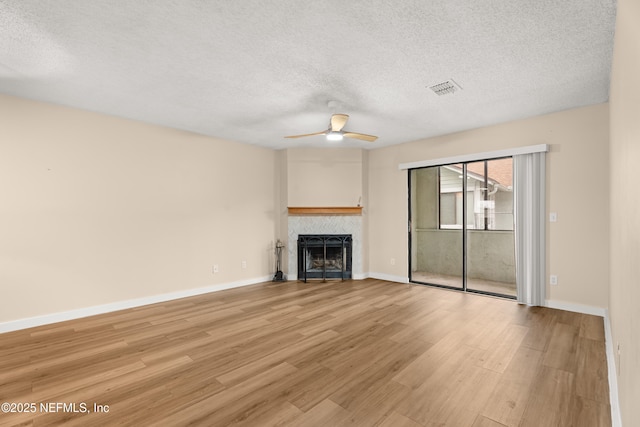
[(324, 256)]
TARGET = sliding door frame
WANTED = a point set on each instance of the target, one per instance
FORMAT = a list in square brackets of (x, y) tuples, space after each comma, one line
[(465, 203)]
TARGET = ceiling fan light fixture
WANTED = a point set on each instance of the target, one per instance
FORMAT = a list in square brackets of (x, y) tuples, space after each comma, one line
[(334, 136), (335, 132)]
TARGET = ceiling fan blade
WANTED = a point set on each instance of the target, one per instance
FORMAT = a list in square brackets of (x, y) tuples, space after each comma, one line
[(307, 134), (361, 136), (338, 121)]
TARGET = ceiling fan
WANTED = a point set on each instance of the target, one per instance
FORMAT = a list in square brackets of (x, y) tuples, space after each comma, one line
[(335, 132)]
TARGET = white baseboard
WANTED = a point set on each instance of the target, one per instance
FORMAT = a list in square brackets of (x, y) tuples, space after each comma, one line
[(389, 277), (576, 308), (616, 416), (47, 319)]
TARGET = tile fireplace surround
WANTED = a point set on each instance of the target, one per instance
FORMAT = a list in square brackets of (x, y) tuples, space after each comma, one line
[(324, 224)]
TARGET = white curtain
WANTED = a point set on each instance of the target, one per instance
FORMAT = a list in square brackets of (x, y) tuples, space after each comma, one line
[(530, 216)]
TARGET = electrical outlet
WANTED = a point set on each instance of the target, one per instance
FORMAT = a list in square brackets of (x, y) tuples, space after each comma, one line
[(244, 264), (553, 217), (216, 268), (393, 261), (553, 279)]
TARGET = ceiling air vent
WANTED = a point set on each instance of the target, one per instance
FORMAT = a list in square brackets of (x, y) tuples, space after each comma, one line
[(445, 88)]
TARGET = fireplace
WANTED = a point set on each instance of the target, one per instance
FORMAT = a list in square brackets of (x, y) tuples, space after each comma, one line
[(324, 256), (322, 225)]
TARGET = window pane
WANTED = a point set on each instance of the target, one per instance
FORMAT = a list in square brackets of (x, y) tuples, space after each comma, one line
[(500, 176), (490, 243), (477, 206), (436, 226), (451, 197)]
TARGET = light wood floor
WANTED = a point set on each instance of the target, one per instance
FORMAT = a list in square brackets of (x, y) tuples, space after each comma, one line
[(365, 353)]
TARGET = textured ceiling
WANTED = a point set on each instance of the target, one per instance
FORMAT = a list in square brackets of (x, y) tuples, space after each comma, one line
[(255, 71)]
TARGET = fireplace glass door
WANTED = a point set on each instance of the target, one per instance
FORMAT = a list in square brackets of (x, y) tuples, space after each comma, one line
[(324, 256)]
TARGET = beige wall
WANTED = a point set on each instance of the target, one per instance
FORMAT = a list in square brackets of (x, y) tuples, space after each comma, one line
[(100, 209), (97, 209), (625, 208), (577, 189), (324, 176)]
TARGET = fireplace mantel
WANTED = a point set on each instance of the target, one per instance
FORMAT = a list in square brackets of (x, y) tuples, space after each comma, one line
[(343, 210)]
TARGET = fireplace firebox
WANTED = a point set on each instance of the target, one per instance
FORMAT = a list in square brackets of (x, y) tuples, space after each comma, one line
[(324, 256)]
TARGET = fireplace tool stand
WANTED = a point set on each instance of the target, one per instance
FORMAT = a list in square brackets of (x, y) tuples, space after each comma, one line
[(279, 276)]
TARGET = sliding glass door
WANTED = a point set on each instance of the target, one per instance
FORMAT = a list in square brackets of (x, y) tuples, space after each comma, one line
[(436, 230), (461, 226)]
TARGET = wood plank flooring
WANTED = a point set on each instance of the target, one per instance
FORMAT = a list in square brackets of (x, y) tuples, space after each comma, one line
[(353, 353)]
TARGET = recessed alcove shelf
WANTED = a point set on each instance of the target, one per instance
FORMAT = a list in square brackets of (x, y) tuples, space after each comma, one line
[(343, 210)]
